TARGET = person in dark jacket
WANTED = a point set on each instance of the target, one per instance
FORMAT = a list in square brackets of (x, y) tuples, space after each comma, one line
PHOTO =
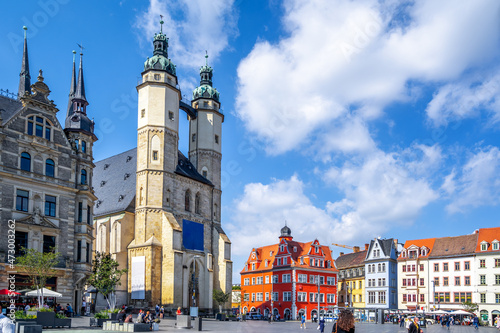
[(414, 327), (345, 323), (322, 324)]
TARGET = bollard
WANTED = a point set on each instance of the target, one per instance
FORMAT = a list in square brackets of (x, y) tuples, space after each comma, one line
[(198, 324)]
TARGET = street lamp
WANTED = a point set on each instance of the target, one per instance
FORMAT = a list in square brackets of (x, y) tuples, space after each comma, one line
[(318, 296)]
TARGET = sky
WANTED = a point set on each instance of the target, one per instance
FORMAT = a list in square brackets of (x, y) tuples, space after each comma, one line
[(349, 120)]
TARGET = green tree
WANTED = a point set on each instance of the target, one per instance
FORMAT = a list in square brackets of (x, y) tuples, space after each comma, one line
[(106, 276), (39, 267), (236, 287), (221, 297), (470, 307)]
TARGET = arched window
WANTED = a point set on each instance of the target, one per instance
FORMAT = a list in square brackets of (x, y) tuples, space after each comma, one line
[(187, 201), (84, 147), (49, 168), (197, 203), (25, 162), (83, 177)]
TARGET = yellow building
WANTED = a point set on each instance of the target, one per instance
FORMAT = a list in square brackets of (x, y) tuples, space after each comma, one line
[(351, 282)]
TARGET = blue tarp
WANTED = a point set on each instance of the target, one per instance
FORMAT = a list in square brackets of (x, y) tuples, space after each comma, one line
[(192, 235)]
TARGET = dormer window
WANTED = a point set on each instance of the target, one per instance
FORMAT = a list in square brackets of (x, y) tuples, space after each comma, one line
[(484, 246), (495, 245), (39, 126), (282, 248), (316, 249), (294, 249), (270, 253), (266, 263)]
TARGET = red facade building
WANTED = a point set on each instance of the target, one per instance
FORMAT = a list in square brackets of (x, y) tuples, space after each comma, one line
[(284, 279)]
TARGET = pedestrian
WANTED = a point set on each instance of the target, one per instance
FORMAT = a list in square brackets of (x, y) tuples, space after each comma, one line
[(6, 324), (303, 321), (179, 312), (414, 327), (269, 317), (84, 306), (475, 322), (157, 311), (401, 321), (162, 312), (448, 322), (321, 324), (345, 323)]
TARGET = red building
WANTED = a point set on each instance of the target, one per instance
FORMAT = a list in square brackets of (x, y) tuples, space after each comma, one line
[(284, 279)]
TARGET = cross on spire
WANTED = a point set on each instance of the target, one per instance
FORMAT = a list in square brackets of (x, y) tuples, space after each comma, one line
[(206, 57), (161, 23), (81, 48)]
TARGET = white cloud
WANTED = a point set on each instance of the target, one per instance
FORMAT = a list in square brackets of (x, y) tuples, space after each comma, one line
[(354, 58), (191, 26), (477, 184), (465, 99)]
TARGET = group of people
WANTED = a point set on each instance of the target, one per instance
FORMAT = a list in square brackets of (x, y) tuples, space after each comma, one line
[(344, 324)]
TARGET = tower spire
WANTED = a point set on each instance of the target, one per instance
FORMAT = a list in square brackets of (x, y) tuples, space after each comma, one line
[(161, 24), (25, 78), (73, 87), (80, 87)]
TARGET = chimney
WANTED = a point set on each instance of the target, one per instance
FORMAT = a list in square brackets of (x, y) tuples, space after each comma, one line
[(356, 249), (396, 243), (341, 254), (366, 246)]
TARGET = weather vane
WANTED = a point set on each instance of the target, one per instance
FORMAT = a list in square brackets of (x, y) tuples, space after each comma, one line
[(81, 48), (161, 23)]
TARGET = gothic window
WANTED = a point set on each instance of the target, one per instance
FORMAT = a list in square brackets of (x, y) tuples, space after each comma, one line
[(49, 168), (77, 142), (217, 139), (83, 177), (187, 201), (157, 77), (39, 126), (168, 197), (50, 205), (170, 115), (155, 155), (215, 211), (204, 172), (22, 200), (84, 147), (197, 203), (193, 137), (155, 148), (25, 162), (140, 196), (143, 113)]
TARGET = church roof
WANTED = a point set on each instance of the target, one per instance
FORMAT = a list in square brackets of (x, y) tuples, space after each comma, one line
[(115, 181)]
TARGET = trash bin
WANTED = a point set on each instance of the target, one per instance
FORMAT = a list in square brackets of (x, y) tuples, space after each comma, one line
[(395, 320), (198, 324), (422, 322)]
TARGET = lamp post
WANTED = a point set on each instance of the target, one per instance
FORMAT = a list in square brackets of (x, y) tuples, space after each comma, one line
[(318, 296), (194, 279)]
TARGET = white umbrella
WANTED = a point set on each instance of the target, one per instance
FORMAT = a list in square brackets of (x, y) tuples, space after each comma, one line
[(46, 293), (461, 312), (439, 312)]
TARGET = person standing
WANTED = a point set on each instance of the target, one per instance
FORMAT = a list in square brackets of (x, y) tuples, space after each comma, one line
[(157, 311), (414, 327), (303, 321), (162, 312), (322, 324), (345, 323), (179, 312), (269, 317)]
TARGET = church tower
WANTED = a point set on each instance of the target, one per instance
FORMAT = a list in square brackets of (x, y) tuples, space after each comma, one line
[(205, 131)]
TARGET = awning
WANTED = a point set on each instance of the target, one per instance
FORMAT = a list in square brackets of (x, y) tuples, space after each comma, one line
[(46, 293)]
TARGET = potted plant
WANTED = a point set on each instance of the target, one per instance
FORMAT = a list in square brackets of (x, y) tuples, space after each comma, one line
[(45, 317), (101, 317)]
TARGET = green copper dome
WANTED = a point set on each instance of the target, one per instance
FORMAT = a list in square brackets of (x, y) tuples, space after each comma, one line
[(206, 91), (160, 60)]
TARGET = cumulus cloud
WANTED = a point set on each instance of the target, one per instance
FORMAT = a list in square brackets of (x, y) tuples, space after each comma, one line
[(353, 59), (192, 28), (466, 99), (477, 183)]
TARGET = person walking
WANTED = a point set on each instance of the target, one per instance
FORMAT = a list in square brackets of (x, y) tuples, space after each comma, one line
[(345, 323), (269, 317), (401, 321), (321, 324), (162, 312), (303, 321), (448, 322), (475, 322), (414, 327)]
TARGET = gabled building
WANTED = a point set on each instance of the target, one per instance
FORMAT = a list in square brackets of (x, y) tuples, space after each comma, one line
[(413, 275), (351, 283), (284, 279), (46, 181), (487, 273), (450, 272), (381, 274)]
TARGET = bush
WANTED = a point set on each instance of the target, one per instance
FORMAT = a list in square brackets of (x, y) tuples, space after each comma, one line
[(101, 315), (42, 309), (60, 316), (20, 315)]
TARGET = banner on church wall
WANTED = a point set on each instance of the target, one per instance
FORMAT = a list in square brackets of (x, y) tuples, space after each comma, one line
[(138, 277), (193, 235)]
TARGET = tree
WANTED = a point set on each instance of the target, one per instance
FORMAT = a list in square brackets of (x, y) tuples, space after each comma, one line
[(236, 287), (470, 307), (106, 276), (39, 267), (221, 297)]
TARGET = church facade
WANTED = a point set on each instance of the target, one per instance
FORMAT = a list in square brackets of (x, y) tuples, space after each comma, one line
[(46, 193), (158, 211)]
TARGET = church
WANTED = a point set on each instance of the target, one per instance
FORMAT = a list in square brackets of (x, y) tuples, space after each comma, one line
[(158, 211)]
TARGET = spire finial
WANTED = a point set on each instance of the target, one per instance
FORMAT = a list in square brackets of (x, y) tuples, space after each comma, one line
[(81, 48), (161, 23), (40, 76), (24, 75), (25, 28), (206, 57), (74, 55)]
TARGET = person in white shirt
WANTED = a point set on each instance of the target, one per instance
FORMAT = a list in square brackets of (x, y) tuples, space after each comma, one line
[(6, 325)]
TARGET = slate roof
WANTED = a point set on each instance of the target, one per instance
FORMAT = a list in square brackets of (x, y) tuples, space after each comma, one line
[(350, 260), (110, 182), (454, 246), (385, 245), (9, 107), (116, 191), (488, 235)]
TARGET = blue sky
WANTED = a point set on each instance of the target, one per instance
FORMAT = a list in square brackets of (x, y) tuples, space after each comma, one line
[(348, 119)]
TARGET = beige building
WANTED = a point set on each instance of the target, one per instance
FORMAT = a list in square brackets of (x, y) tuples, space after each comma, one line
[(158, 211)]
